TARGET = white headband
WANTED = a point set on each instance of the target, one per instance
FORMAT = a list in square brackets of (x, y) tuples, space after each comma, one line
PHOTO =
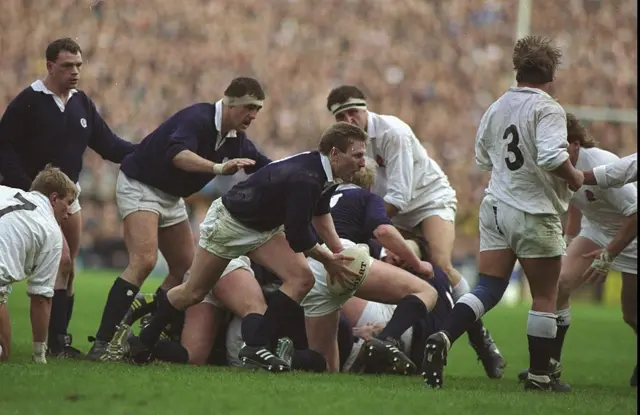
[(244, 100), (350, 103)]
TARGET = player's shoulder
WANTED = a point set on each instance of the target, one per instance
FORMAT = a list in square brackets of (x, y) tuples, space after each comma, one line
[(390, 124), (201, 112), (23, 98), (588, 158)]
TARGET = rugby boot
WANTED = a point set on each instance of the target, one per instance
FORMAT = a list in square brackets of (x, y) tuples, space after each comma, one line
[(258, 357), (118, 347), (555, 370), (143, 304), (67, 351), (435, 359), (98, 351), (634, 378), (492, 360), (545, 384), (390, 352), (285, 349)]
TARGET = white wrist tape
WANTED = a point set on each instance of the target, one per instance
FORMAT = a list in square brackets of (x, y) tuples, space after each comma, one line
[(217, 168)]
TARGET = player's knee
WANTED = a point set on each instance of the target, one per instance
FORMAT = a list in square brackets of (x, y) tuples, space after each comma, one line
[(426, 293), (302, 282), (486, 294), (565, 286), (66, 266), (142, 265)]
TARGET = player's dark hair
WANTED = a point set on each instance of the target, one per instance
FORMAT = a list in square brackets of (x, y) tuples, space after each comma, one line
[(242, 86), (535, 60), (340, 135), (577, 132), (65, 44), (341, 94)]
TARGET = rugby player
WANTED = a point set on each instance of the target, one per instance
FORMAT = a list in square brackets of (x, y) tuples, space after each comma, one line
[(615, 174), (52, 121), (359, 216), (596, 217), (176, 160), (267, 217), (30, 250), (522, 140)]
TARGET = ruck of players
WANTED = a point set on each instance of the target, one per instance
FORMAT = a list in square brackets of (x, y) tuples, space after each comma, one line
[(337, 259)]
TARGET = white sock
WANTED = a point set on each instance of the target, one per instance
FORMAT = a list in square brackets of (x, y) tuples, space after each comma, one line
[(460, 289)]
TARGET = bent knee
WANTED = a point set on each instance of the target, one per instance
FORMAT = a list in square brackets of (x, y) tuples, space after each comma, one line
[(141, 265), (301, 282)]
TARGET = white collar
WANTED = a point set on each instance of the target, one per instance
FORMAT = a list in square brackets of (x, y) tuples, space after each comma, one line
[(371, 129), (326, 166), (529, 89), (347, 186), (39, 86), (217, 119)]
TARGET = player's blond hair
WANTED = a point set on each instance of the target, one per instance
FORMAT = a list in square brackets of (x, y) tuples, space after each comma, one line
[(366, 176), (577, 132), (535, 60), (53, 180), (341, 135)]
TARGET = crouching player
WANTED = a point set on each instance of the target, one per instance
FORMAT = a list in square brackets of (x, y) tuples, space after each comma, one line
[(31, 249)]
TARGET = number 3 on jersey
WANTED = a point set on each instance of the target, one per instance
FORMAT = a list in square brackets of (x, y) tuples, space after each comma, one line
[(513, 149)]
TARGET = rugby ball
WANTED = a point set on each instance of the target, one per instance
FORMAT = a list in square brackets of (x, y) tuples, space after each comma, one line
[(360, 264)]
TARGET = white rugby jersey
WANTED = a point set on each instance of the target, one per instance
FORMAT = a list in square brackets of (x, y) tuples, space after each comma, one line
[(403, 163), (618, 173), (30, 240), (521, 137), (603, 209)]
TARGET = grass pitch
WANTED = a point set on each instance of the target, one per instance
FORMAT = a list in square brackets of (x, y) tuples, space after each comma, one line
[(599, 356)]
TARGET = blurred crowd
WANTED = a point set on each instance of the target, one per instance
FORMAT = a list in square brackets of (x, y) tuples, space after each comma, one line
[(435, 64)]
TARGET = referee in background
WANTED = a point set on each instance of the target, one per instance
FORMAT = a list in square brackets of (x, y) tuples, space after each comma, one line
[(51, 121)]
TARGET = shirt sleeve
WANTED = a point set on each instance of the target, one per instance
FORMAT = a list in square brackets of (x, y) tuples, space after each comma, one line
[(376, 214), (104, 141), (323, 206), (551, 137), (184, 137), (48, 260), (250, 151), (12, 129), (398, 154), (624, 199), (302, 200), (618, 173)]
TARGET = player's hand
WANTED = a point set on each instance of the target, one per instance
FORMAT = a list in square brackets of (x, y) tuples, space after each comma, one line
[(600, 266), (232, 166), (425, 269), (577, 180), (392, 259), (368, 331), (338, 269)]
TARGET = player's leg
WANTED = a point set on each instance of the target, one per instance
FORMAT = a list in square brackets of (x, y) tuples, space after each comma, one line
[(439, 229), (322, 334), (57, 339), (495, 264), (297, 281), (630, 310), (414, 297), (5, 326), (141, 239), (199, 332), (72, 230)]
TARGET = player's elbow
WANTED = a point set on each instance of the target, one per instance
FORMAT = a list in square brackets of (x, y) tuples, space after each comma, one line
[(551, 161), (383, 231)]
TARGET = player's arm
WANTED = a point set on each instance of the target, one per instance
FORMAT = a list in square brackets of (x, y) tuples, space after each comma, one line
[(399, 167), (625, 201), (615, 174), (12, 129), (250, 151), (483, 159), (323, 222), (40, 291), (572, 227), (104, 141), (378, 225), (551, 143), (301, 202)]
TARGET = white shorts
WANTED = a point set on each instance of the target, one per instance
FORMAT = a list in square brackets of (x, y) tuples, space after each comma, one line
[(75, 206), (222, 235), (320, 301), (441, 203), (241, 262), (529, 236), (234, 341), (626, 262), (133, 196)]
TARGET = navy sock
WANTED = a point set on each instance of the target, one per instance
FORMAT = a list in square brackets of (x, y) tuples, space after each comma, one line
[(57, 321), (281, 306), (165, 313), (308, 360), (170, 351), (120, 297), (70, 302), (249, 327), (409, 310)]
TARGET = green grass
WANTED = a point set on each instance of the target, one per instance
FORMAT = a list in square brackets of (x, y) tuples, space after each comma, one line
[(599, 357)]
